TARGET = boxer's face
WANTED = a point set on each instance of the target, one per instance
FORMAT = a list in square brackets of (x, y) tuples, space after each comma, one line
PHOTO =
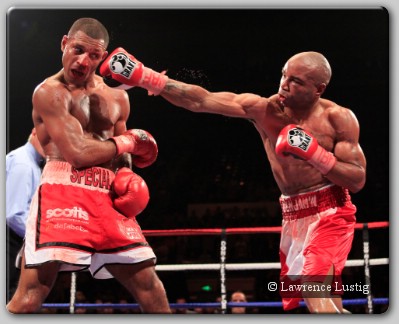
[(81, 57), (297, 86)]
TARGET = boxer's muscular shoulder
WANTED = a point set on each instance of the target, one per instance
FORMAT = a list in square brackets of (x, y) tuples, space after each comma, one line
[(331, 107), (52, 84), (50, 91), (274, 104), (337, 114), (257, 107), (275, 112), (118, 94), (271, 118), (114, 93)]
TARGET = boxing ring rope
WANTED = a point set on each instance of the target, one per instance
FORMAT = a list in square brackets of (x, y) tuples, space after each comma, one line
[(223, 267)]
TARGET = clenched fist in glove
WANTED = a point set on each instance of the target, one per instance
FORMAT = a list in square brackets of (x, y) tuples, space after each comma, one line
[(293, 140), (131, 191), (122, 70), (140, 143)]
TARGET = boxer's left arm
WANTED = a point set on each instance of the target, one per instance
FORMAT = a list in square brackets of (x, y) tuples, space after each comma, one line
[(188, 96), (198, 99), (350, 169)]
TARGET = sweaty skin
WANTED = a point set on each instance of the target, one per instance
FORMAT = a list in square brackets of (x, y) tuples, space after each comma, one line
[(74, 113), (74, 109), (304, 79), (298, 101)]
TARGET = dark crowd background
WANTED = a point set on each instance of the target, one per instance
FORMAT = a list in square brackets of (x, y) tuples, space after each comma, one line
[(212, 171)]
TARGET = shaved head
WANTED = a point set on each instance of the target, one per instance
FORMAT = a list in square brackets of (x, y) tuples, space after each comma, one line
[(317, 63)]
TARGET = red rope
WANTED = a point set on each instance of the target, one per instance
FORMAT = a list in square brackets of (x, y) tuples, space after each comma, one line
[(372, 225), (238, 230)]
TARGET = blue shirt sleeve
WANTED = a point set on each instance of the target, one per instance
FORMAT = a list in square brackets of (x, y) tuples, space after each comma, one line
[(19, 188), (23, 175)]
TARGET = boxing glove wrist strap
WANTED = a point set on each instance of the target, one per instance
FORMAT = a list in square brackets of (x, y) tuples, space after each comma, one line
[(153, 81), (323, 160), (123, 144)]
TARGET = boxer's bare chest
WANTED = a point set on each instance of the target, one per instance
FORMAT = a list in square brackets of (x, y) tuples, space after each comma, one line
[(97, 112)]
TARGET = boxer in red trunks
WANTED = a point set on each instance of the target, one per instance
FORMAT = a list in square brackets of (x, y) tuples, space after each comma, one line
[(317, 233), (313, 148), (83, 215)]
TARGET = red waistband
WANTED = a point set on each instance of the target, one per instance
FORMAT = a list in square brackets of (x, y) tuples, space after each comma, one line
[(59, 172), (306, 204)]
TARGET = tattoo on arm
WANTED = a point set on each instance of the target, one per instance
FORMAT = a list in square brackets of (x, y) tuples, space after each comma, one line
[(173, 86)]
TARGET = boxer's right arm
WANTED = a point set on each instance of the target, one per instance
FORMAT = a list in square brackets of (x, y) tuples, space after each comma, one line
[(52, 113), (140, 143)]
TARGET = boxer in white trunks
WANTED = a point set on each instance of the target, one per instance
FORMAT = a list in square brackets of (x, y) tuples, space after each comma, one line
[(83, 215)]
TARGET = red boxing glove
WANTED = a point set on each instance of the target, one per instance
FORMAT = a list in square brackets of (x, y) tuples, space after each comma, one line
[(122, 70), (296, 141), (132, 192), (140, 143)]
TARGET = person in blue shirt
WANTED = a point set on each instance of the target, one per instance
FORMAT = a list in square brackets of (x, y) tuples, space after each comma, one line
[(23, 172)]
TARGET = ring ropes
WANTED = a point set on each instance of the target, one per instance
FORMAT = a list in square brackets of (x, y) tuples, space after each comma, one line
[(222, 267)]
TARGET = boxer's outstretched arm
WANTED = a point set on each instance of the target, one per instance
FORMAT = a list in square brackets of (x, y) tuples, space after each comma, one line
[(122, 70), (198, 99)]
